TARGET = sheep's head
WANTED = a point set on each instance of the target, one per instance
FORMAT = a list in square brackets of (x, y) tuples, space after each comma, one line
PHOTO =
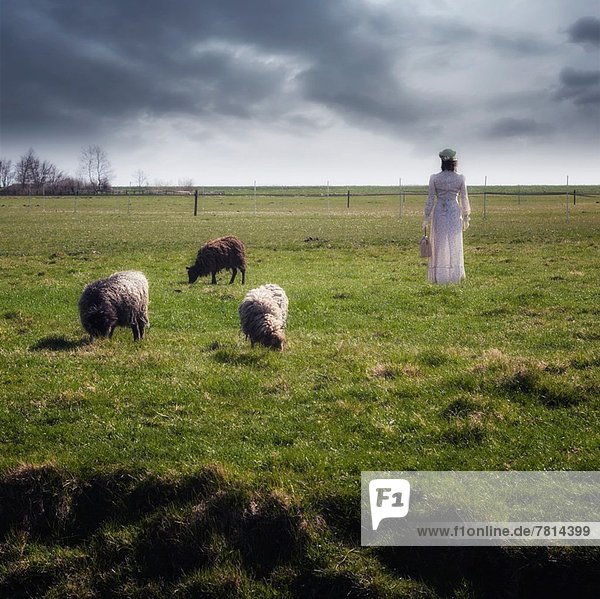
[(193, 273), (271, 334), (99, 322), (277, 341)]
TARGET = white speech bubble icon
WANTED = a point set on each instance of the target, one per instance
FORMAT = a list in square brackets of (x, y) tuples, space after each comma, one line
[(389, 498)]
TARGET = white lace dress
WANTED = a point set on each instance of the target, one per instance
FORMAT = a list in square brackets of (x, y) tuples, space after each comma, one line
[(447, 209)]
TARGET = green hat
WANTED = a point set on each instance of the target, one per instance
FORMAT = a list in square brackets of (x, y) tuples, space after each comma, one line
[(447, 154)]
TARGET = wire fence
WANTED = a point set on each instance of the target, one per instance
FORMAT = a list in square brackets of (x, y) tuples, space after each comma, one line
[(335, 202)]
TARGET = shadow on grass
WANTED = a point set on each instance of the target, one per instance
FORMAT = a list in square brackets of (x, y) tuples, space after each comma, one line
[(460, 408), (319, 584), (240, 358), (59, 343), (181, 524), (464, 434), (532, 383), (341, 512), (496, 572), (433, 357), (146, 532), (47, 501)]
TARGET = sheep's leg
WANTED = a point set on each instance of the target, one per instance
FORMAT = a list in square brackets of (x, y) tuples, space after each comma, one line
[(214, 277), (111, 330), (233, 273), (243, 275), (141, 328), (136, 331)]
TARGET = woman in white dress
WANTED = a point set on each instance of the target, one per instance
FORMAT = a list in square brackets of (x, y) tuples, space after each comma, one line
[(447, 210)]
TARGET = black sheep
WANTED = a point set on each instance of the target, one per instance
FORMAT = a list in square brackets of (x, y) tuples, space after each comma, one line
[(219, 254)]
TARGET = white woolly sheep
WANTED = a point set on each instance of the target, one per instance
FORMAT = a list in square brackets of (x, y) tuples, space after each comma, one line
[(119, 300), (263, 316)]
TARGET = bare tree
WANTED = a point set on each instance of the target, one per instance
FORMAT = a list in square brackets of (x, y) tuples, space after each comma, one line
[(140, 178), (6, 172), (95, 167), (37, 174), (26, 169), (46, 176), (68, 185), (162, 183), (186, 184)]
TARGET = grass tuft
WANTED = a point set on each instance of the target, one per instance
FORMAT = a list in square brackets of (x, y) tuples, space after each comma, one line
[(471, 432), (35, 500), (383, 371), (461, 407), (433, 357)]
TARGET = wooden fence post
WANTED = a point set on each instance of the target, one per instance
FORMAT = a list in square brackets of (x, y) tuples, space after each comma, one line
[(196, 202), (401, 197), (485, 199), (567, 199)]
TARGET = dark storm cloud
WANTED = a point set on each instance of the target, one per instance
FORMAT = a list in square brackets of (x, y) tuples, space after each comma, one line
[(71, 69), (517, 127), (76, 66), (582, 87), (73, 65), (571, 105), (585, 31), (518, 44)]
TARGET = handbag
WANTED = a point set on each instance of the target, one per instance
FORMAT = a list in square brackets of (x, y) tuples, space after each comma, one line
[(425, 245)]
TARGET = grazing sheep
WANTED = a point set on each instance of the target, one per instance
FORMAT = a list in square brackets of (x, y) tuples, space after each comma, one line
[(219, 254), (263, 316), (119, 300)]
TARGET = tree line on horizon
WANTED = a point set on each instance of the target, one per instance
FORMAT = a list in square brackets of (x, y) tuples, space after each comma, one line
[(32, 175)]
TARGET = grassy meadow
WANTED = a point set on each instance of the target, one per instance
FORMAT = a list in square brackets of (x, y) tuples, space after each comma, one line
[(193, 465)]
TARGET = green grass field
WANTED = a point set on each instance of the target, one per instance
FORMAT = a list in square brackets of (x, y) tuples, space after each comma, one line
[(217, 442)]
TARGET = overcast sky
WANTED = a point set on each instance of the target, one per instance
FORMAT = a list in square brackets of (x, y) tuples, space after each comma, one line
[(226, 92)]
